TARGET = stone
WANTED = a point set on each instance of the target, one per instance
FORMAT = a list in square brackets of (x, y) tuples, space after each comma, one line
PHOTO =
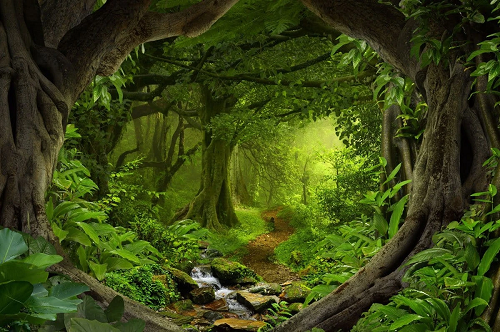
[(185, 266), (202, 295), (217, 305), (266, 289), (231, 273), (297, 291), (295, 307), (212, 253), (182, 305), (176, 318), (212, 315), (233, 324), (256, 302), (184, 282)]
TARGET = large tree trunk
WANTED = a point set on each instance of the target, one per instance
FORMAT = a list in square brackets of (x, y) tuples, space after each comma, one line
[(213, 206), (447, 170)]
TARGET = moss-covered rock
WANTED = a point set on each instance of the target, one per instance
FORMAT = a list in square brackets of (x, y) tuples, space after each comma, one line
[(295, 307), (184, 282), (176, 318), (202, 295), (256, 302), (182, 305), (232, 273), (297, 291), (266, 289)]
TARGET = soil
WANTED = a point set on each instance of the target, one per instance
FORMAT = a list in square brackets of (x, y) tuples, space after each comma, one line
[(261, 250)]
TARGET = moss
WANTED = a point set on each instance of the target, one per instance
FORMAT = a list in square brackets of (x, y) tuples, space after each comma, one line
[(233, 272)]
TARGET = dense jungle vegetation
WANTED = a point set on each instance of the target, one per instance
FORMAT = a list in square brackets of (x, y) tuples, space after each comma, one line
[(335, 161)]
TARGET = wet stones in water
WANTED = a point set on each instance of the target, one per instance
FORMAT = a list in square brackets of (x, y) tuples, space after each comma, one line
[(256, 302), (217, 305), (233, 324), (213, 316), (202, 295), (297, 291), (232, 273), (176, 318), (266, 289)]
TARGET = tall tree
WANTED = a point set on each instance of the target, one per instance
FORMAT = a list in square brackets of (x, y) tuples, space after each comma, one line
[(49, 52), (459, 130)]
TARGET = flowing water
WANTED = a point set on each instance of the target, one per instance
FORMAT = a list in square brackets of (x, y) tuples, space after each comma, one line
[(204, 278)]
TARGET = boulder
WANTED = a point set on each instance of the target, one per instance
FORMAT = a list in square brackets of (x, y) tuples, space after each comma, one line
[(295, 307), (232, 273), (184, 282), (182, 305), (266, 289), (256, 302), (233, 324), (202, 295), (176, 318), (212, 253), (217, 305), (212, 316), (297, 291), (185, 266)]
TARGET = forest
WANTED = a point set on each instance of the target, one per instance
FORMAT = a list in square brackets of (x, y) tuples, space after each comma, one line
[(250, 165)]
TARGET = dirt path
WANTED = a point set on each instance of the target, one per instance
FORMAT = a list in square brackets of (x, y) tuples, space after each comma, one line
[(262, 248)]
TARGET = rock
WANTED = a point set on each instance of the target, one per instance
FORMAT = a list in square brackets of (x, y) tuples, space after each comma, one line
[(176, 318), (184, 282), (182, 305), (256, 302), (212, 253), (297, 291), (202, 295), (203, 244), (295, 307), (185, 266), (212, 315), (232, 273), (217, 305), (233, 324), (266, 289)]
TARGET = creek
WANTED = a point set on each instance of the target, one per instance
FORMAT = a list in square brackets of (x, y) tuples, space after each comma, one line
[(204, 277)]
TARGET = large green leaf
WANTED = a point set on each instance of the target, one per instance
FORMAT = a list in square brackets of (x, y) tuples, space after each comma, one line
[(89, 231), (21, 271), (91, 310), (60, 233), (380, 223), (40, 245), (42, 261), (64, 207), (117, 263), (98, 269), (115, 309), (488, 257), (396, 215), (67, 290), (484, 290), (78, 236), (13, 295), (124, 253), (11, 245), (403, 321), (52, 305)]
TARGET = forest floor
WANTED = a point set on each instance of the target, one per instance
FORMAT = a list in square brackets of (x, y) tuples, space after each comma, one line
[(261, 250)]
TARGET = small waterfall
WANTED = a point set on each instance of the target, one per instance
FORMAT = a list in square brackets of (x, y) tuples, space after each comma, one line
[(204, 278)]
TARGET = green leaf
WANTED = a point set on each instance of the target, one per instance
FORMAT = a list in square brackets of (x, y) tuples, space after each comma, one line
[(477, 303), (60, 233), (124, 253), (453, 323), (427, 255), (21, 271), (393, 174), (471, 256), (91, 310), (42, 261), (89, 231), (13, 295), (488, 257), (396, 215), (115, 309), (40, 245), (133, 325), (64, 207), (76, 235), (68, 290), (117, 263), (85, 325), (98, 269), (484, 290), (11, 245), (403, 321), (51, 305), (82, 258), (415, 328), (380, 223)]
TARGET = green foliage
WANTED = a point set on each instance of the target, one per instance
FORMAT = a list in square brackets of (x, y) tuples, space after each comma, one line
[(233, 242), (91, 317), (177, 242), (149, 284), (277, 314), (448, 287), (27, 296)]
